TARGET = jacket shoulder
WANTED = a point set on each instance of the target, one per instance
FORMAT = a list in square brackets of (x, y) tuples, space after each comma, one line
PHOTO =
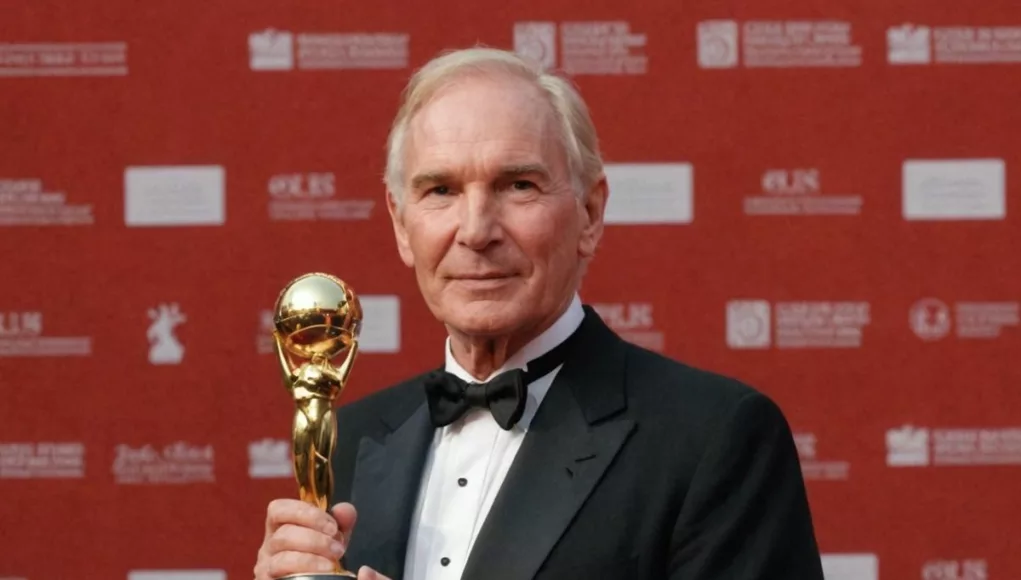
[(660, 372), (681, 397)]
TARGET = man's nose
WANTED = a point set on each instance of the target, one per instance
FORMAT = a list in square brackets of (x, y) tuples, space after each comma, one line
[(479, 220)]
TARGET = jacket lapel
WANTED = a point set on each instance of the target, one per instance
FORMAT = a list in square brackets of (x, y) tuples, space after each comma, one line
[(573, 438), (385, 487)]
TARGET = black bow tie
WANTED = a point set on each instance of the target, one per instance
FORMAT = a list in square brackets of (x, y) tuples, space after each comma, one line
[(504, 395)]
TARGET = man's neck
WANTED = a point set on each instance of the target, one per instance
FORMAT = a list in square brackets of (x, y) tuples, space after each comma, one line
[(480, 356)]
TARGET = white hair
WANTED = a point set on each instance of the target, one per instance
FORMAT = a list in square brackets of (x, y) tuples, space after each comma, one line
[(577, 132)]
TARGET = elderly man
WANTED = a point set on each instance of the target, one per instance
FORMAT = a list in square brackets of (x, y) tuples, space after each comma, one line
[(546, 447)]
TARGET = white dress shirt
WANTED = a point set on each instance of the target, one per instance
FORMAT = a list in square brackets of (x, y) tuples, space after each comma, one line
[(467, 463)]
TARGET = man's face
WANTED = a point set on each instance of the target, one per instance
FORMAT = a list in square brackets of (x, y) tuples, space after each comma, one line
[(489, 220)]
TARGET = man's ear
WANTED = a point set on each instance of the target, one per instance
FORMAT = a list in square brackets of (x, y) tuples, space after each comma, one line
[(396, 209), (593, 207)]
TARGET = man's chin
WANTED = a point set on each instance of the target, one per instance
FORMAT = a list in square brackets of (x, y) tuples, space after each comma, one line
[(484, 317)]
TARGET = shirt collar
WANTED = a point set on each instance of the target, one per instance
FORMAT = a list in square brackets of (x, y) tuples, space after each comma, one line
[(558, 332), (568, 322)]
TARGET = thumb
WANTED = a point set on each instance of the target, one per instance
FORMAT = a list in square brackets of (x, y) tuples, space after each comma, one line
[(366, 573), (346, 516)]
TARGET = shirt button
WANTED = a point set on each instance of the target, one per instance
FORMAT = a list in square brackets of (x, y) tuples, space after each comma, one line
[(462, 482), (444, 561)]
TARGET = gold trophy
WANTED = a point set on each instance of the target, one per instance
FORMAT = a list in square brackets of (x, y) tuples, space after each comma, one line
[(317, 317)]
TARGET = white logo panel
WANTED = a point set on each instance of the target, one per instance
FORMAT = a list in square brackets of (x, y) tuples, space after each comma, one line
[(177, 575), (968, 189), (174, 196), (850, 567), (650, 193), (381, 329)]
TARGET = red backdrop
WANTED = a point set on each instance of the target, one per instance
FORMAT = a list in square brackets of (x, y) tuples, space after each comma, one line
[(814, 197)]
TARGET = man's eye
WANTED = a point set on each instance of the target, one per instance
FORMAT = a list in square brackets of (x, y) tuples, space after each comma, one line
[(523, 185), (439, 190)]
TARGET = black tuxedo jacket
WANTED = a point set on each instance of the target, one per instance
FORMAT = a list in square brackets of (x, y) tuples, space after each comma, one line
[(634, 467)]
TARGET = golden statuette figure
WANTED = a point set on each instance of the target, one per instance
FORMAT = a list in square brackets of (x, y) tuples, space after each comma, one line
[(317, 318)]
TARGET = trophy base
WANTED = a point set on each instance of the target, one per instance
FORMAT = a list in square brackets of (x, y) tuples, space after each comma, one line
[(318, 576)]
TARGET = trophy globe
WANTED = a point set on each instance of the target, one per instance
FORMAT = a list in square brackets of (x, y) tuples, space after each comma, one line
[(317, 316)]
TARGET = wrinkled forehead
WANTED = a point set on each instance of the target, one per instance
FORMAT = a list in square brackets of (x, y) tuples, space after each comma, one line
[(484, 115)]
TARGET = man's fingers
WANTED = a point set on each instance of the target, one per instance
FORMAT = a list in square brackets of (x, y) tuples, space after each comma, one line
[(366, 573), (299, 513), (286, 563), (346, 516), (293, 538)]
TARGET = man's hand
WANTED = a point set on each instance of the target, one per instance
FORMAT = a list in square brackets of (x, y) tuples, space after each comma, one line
[(366, 573), (301, 539)]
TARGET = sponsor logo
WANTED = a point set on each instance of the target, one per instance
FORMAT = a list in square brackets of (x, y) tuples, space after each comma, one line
[(650, 193), (718, 44), (776, 44), (931, 319), (177, 463), (912, 44), (798, 192), (21, 335), (165, 349), (909, 44), (971, 569), (812, 467), (64, 59), (312, 197), (271, 50), (633, 322), (27, 202), (750, 324), (907, 446), (965, 189), (537, 41), (269, 458), (586, 48), (985, 319), (280, 50), (174, 196), (911, 446), (42, 460)]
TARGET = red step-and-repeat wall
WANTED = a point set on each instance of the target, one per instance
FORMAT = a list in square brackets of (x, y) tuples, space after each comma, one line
[(815, 197)]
